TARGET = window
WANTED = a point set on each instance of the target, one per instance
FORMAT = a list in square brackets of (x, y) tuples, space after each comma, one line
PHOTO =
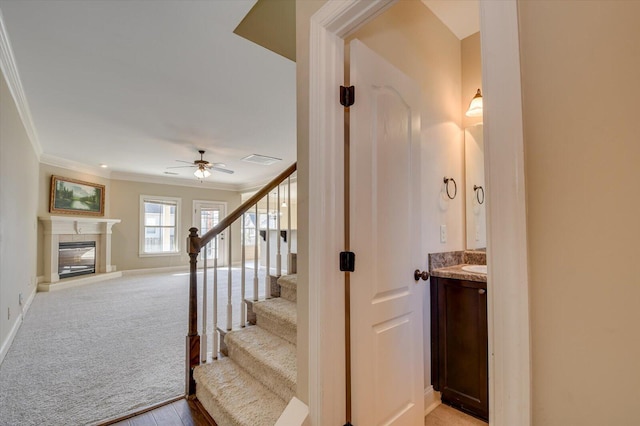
[(159, 222)]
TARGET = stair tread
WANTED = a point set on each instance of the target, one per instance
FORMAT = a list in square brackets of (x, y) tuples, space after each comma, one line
[(233, 397), (278, 309), (270, 358)]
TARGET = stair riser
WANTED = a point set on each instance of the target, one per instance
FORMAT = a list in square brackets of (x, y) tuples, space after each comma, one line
[(214, 409), (281, 386), (251, 315), (289, 294), (274, 287), (286, 331)]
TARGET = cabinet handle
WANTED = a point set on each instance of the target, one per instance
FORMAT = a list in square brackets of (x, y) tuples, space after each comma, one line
[(482, 291)]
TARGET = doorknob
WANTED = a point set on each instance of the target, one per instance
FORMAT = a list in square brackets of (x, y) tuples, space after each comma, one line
[(417, 275)]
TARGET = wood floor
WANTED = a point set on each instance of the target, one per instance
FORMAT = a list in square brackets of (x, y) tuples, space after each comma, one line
[(178, 413), (444, 415), (191, 413)]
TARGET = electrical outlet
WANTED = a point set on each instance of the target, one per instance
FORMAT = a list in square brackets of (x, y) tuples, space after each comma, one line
[(443, 233)]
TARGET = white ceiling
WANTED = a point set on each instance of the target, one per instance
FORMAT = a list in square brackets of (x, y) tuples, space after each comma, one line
[(461, 16), (139, 84)]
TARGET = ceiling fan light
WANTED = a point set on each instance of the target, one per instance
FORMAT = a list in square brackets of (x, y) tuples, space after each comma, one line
[(202, 173)]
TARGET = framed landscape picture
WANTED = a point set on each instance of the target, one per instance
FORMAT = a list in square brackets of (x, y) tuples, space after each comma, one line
[(70, 196)]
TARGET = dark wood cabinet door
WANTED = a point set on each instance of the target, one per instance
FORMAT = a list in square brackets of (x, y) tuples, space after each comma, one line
[(461, 349)]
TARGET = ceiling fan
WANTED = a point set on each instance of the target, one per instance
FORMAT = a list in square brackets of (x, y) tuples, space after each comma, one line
[(202, 167)]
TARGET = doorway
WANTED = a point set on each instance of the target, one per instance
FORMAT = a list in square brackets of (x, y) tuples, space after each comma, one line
[(206, 215), (508, 282)]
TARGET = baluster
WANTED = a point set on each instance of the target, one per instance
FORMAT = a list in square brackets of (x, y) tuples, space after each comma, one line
[(289, 225), (267, 278), (243, 319), (278, 244), (256, 260), (229, 283), (203, 339), (215, 298)]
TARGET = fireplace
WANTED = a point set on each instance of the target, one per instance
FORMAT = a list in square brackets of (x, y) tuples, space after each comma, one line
[(66, 229), (76, 258)]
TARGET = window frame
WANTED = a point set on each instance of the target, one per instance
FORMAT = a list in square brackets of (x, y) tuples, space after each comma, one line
[(141, 236)]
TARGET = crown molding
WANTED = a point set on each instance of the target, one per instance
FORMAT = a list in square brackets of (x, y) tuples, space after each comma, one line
[(11, 75), (52, 160), (162, 180)]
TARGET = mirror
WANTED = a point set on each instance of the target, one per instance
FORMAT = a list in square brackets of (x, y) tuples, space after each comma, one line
[(475, 188)]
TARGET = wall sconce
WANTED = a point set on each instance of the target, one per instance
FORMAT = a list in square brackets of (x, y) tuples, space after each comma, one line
[(475, 106)]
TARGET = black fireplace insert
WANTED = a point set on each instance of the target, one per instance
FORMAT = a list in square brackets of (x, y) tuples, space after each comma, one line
[(76, 258)]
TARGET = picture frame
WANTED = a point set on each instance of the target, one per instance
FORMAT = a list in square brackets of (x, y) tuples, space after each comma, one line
[(72, 196)]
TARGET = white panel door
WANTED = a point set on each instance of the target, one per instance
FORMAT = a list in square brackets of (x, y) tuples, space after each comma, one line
[(386, 302)]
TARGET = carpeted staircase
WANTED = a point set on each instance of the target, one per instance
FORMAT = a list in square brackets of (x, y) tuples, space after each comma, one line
[(253, 384)]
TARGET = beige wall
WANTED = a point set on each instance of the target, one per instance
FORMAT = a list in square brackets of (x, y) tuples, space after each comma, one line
[(122, 201), (580, 68), (125, 205), (18, 221), (430, 55), (44, 192)]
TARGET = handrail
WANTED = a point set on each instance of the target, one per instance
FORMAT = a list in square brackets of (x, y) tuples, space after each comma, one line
[(244, 207)]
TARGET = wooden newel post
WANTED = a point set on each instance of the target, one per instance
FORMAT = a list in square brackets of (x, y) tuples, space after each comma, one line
[(193, 339)]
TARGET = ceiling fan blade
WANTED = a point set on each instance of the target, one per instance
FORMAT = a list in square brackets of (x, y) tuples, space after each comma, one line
[(188, 162), (179, 167), (220, 169)]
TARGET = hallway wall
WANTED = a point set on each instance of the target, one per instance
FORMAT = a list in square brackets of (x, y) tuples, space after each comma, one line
[(580, 66), (18, 220)]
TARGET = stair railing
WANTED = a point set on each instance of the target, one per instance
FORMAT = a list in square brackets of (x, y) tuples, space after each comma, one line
[(197, 347)]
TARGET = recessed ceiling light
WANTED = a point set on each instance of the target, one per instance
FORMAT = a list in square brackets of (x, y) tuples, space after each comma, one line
[(261, 159), (104, 166)]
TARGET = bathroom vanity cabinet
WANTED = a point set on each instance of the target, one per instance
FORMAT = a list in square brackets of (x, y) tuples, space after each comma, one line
[(459, 350)]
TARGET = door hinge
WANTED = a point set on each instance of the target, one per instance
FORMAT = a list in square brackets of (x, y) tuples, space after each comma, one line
[(347, 96), (347, 261)]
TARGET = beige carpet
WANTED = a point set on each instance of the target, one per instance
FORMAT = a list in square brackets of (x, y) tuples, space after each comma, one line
[(102, 350), (444, 415)]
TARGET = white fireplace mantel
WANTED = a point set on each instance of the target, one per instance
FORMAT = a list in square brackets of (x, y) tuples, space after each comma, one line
[(57, 228)]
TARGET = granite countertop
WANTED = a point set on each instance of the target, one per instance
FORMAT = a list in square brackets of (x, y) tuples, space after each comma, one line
[(449, 264), (457, 273)]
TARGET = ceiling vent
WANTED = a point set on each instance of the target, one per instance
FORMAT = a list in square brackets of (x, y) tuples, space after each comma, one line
[(261, 159)]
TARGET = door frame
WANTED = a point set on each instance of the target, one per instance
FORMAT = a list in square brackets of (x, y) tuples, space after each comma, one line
[(222, 261), (508, 302)]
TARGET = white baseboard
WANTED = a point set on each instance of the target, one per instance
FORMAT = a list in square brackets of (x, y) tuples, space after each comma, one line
[(77, 281), (27, 304), (295, 414), (9, 340), (40, 279), (431, 400), (16, 326)]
